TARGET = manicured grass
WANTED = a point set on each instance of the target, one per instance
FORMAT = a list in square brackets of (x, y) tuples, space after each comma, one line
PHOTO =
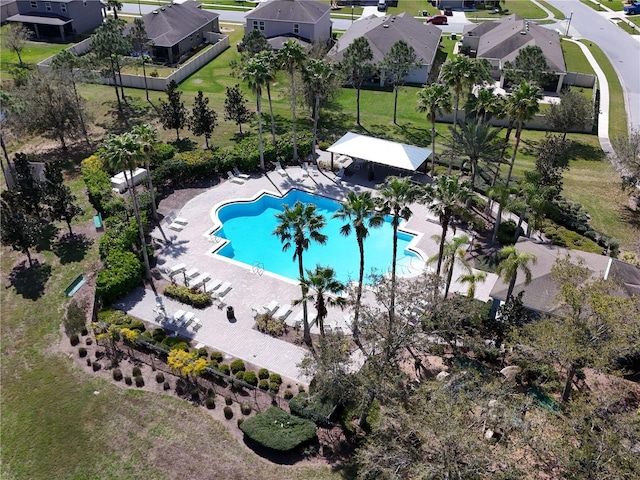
[(524, 8), (575, 59), (595, 6), (633, 30), (33, 53), (556, 13)]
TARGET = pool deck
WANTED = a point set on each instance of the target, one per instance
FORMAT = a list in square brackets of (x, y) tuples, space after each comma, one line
[(251, 287)]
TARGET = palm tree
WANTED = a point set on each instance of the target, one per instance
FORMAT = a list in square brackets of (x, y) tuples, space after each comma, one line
[(318, 75), (147, 138), (503, 195), (298, 226), (530, 203), (512, 261), (434, 100), (292, 57), (323, 281), (115, 5), (445, 197), (269, 59), (122, 152), (522, 105), (483, 105), (453, 254), (472, 279), (256, 74), (396, 194), (359, 210)]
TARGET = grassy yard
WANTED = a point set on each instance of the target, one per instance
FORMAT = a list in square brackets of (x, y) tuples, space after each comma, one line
[(575, 59), (33, 53), (630, 29), (525, 9)]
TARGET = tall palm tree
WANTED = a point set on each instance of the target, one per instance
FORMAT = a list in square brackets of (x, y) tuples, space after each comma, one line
[(269, 59), (503, 195), (445, 197), (292, 57), (433, 100), (483, 105), (256, 74), (323, 281), (122, 152), (359, 210), (147, 138), (318, 75), (522, 105), (472, 278), (453, 254), (512, 261), (298, 226), (396, 194)]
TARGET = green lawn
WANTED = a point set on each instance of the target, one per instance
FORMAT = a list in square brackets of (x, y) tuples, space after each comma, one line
[(33, 53), (595, 6), (556, 13), (631, 29), (524, 8), (575, 59)]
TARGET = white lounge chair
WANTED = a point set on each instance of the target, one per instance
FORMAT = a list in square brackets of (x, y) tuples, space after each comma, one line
[(176, 226), (328, 328), (240, 175), (211, 285), (257, 311), (181, 221), (222, 290), (200, 279), (280, 170), (191, 273), (283, 312), (178, 315), (196, 324), (305, 169), (171, 271), (314, 169), (272, 307), (234, 179)]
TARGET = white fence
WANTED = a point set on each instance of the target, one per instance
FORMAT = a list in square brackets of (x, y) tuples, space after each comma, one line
[(584, 80)]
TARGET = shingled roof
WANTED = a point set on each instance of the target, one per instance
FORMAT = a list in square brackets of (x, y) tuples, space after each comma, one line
[(300, 11)]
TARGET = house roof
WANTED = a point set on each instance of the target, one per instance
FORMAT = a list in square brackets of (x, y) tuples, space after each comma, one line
[(383, 32), (300, 11), (377, 150), (40, 19), (504, 38), (169, 24), (541, 294), (278, 42)]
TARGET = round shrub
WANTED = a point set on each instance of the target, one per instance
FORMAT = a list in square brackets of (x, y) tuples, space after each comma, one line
[(210, 403), (84, 332), (217, 356), (263, 384), (117, 374), (301, 388), (128, 380), (239, 375), (263, 374), (74, 340), (166, 386), (288, 394), (238, 366), (277, 430), (160, 377), (195, 394), (214, 365), (275, 378), (179, 389), (82, 352), (228, 400), (224, 368), (136, 372), (89, 341), (202, 352), (240, 420), (88, 362), (245, 408), (506, 232), (228, 413), (96, 366), (139, 382), (274, 387), (251, 378)]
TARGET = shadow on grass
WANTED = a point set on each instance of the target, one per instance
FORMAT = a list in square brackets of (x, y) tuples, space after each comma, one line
[(184, 145), (30, 282), (279, 458), (583, 151), (630, 216), (71, 248), (49, 232), (134, 111)]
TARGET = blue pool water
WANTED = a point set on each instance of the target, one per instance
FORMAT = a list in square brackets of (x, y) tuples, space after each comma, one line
[(249, 225)]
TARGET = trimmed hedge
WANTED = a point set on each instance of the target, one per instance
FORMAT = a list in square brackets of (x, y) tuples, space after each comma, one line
[(238, 366), (251, 378), (277, 430), (188, 296), (123, 274)]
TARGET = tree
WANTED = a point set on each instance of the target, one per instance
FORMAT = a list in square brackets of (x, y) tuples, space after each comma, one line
[(235, 108), (357, 66), (254, 42), (115, 6), (504, 196), (270, 61), (297, 227), (627, 148), (257, 74), (292, 57), (323, 281), (552, 160), (472, 278), (574, 112), (511, 262), (18, 229), (109, 46), (15, 39), (522, 105), (61, 203), (483, 105), (396, 64), (433, 100), (445, 198), (453, 253), (27, 189), (147, 138), (318, 77), (359, 211), (203, 119), (140, 47), (188, 364), (173, 113), (530, 66), (395, 197), (123, 152)]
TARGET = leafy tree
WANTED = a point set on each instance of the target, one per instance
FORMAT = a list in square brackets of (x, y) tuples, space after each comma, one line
[(235, 108), (257, 74), (319, 78), (254, 42), (511, 262), (357, 67), (359, 211), (61, 203), (551, 161), (297, 227), (173, 113), (140, 47), (453, 253), (26, 187), (627, 148), (188, 364), (530, 66), (203, 119), (147, 139), (396, 64), (574, 112), (292, 57), (109, 46), (18, 229), (433, 100), (15, 38), (323, 281)]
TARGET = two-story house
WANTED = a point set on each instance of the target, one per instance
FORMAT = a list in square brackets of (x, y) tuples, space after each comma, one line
[(58, 19)]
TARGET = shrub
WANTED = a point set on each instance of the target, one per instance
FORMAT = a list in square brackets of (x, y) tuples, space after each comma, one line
[(160, 377), (277, 430), (324, 145), (123, 274), (224, 368), (202, 352), (166, 386), (97, 181), (270, 325), (238, 366), (263, 384), (566, 238), (88, 362), (176, 343), (75, 318), (213, 365), (188, 296), (89, 341), (239, 375), (210, 403), (311, 407), (117, 374), (301, 388), (195, 394), (239, 421), (82, 352), (263, 373), (228, 413), (128, 380), (288, 394), (275, 378), (139, 381), (506, 231), (274, 387), (158, 335), (245, 408), (251, 378), (136, 372), (228, 400), (74, 340), (217, 356), (96, 366)]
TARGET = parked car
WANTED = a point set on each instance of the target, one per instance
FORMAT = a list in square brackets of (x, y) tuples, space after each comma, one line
[(632, 9), (438, 20), (382, 5), (448, 12)]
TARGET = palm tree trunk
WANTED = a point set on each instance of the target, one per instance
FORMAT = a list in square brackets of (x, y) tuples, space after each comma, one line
[(321, 309), (293, 117), (356, 311), (512, 285), (305, 312), (515, 152), (144, 74), (260, 133), (316, 115), (120, 78), (395, 104), (443, 238), (449, 278), (358, 105), (433, 143), (494, 236), (455, 124), (115, 84), (392, 306), (273, 122), (136, 212), (151, 192)]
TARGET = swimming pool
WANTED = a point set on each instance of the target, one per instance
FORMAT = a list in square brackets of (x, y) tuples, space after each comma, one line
[(249, 226)]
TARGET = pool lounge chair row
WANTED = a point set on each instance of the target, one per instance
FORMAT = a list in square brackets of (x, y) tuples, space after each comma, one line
[(274, 309), (185, 320)]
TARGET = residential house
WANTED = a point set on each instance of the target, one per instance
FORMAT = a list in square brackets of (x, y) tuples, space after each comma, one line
[(458, 4), (306, 21), (8, 8), (541, 295), (383, 32), (174, 29), (500, 42), (58, 19)]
